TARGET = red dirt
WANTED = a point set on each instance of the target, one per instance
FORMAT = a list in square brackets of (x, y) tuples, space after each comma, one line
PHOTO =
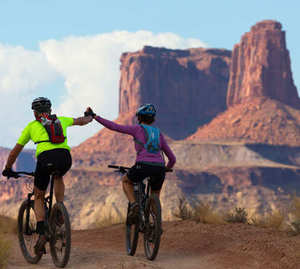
[(184, 245)]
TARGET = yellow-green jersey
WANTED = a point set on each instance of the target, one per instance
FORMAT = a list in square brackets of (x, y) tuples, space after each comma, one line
[(36, 132)]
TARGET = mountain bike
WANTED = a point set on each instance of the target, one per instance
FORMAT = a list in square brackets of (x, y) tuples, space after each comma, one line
[(149, 218), (57, 226)]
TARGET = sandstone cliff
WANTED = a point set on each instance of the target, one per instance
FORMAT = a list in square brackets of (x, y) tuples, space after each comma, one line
[(261, 67), (187, 86)]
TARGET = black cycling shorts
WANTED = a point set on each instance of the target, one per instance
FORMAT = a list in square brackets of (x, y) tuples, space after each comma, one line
[(140, 171), (55, 160)]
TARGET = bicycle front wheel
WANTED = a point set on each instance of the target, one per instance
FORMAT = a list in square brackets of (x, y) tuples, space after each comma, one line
[(27, 233), (132, 236), (60, 229), (153, 227)]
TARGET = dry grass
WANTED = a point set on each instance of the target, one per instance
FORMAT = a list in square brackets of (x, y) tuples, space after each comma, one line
[(204, 213), (198, 211), (108, 221), (274, 220)]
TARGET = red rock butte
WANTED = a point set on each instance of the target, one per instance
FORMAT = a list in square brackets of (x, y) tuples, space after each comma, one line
[(261, 67), (187, 86)]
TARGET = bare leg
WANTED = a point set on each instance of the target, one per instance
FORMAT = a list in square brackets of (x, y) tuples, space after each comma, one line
[(128, 189), (156, 192), (39, 204), (59, 188)]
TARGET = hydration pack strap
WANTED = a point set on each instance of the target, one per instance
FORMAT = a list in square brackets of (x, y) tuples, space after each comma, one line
[(140, 142)]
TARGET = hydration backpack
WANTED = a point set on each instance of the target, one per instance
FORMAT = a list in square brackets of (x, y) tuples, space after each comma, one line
[(53, 128), (152, 139)]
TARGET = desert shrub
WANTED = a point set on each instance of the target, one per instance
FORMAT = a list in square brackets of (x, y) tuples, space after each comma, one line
[(295, 226), (239, 215), (296, 207), (295, 214), (183, 210)]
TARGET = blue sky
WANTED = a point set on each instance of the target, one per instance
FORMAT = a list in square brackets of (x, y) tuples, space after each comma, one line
[(47, 47)]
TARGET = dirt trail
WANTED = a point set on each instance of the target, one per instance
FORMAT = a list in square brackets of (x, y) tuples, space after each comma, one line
[(185, 245)]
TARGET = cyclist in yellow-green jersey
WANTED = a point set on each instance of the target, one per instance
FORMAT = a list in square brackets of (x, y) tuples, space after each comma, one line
[(50, 134)]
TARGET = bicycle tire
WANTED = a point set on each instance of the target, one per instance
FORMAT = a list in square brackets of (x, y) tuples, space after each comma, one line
[(60, 240), (27, 240), (153, 227), (132, 237)]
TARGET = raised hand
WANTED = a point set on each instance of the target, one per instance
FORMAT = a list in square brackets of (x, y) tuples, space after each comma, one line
[(89, 112), (8, 172)]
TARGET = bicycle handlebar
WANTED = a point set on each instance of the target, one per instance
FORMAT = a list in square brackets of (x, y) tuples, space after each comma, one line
[(118, 167), (17, 174), (123, 169), (25, 173)]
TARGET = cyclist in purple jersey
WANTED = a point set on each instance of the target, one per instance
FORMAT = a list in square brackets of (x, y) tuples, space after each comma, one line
[(148, 163)]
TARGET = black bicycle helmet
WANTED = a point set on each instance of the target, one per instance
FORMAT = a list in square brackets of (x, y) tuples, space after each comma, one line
[(146, 109), (41, 104)]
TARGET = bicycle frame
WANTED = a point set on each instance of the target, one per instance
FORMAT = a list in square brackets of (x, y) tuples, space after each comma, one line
[(47, 204), (148, 222), (142, 191)]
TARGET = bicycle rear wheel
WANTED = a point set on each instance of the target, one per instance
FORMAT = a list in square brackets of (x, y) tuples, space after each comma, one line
[(153, 227), (132, 236), (60, 229), (27, 233)]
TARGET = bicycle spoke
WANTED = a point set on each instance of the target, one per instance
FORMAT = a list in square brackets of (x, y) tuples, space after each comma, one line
[(27, 237), (60, 244), (153, 228)]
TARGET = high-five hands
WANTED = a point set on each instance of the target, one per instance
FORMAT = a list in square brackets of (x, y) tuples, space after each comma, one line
[(89, 112)]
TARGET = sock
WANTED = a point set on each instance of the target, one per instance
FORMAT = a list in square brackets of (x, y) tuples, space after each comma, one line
[(40, 227)]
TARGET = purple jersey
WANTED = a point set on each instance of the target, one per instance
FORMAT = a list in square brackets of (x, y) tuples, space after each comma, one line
[(138, 133)]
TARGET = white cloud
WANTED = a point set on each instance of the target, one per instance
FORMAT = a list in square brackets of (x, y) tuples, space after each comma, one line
[(23, 70), (22, 73), (89, 66)]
